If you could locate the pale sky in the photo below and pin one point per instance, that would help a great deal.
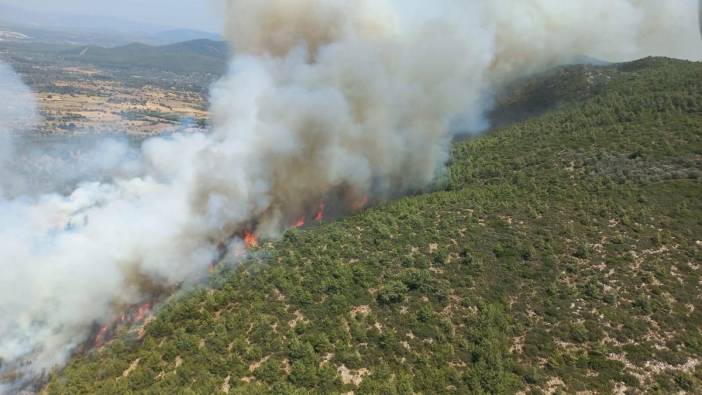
(194, 14)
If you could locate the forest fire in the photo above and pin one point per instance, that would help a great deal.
(344, 202)
(101, 336)
(319, 217)
(142, 312)
(250, 239)
(135, 315)
(139, 313)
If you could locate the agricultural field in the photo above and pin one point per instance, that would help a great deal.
(134, 89)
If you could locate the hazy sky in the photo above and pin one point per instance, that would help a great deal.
(197, 14)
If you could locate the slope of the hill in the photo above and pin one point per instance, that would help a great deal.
(562, 253)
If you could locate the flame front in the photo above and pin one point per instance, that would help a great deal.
(101, 336)
(250, 239)
(142, 312)
(319, 217)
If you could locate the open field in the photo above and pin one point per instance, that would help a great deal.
(114, 92)
(110, 106)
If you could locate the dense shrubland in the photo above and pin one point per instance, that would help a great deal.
(563, 252)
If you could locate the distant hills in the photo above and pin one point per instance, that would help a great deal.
(106, 31)
(201, 55)
(64, 21)
(178, 35)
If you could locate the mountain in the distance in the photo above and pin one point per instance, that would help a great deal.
(17, 16)
(190, 56)
(64, 28)
(179, 35)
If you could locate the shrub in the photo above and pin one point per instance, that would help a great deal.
(393, 292)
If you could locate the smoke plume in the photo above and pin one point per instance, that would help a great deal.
(17, 110)
(325, 100)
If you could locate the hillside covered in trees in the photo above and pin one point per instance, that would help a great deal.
(562, 251)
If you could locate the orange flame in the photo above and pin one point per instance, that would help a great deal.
(319, 217)
(142, 311)
(128, 316)
(300, 223)
(100, 336)
(250, 239)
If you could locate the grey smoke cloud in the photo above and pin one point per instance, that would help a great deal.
(17, 111)
(31, 164)
(324, 97)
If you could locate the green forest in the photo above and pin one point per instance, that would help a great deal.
(560, 252)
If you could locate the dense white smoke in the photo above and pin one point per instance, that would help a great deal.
(17, 111)
(325, 99)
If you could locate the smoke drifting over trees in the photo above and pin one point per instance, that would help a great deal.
(324, 98)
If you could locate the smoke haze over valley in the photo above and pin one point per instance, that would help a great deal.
(332, 102)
